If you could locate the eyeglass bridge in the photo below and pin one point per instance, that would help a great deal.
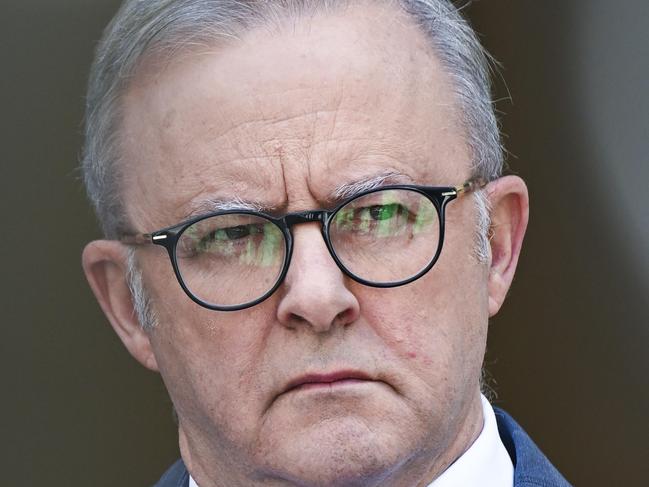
(305, 217)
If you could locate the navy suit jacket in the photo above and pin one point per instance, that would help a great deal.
(531, 467)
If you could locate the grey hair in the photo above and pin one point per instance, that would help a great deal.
(161, 28)
(482, 247)
(142, 307)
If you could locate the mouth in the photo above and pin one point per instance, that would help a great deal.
(343, 378)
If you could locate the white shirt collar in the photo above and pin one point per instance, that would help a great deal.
(486, 463)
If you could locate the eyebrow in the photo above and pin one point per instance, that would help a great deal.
(348, 190)
(212, 205)
(342, 192)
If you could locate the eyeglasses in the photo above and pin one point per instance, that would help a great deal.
(235, 259)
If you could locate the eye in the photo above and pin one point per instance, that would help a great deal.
(221, 235)
(228, 234)
(385, 212)
(235, 233)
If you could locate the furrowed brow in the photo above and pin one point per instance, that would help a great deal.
(351, 189)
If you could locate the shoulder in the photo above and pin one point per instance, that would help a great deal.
(176, 476)
(531, 467)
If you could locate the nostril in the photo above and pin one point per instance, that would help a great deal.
(344, 317)
(295, 318)
(341, 319)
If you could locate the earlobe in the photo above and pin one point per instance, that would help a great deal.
(509, 202)
(104, 263)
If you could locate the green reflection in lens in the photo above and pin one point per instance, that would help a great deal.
(264, 253)
(248, 255)
(389, 221)
(270, 245)
(364, 224)
(424, 218)
(219, 244)
(344, 219)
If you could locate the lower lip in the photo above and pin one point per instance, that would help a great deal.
(330, 385)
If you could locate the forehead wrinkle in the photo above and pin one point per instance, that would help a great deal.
(239, 188)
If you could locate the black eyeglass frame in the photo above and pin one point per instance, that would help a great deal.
(168, 237)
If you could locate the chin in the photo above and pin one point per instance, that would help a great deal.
(335, 452)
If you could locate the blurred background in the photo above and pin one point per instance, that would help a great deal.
(568, 353)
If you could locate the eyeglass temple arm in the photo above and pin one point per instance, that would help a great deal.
(470, 186)
(136, 239)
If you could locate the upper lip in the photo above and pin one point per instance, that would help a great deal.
(328, 377)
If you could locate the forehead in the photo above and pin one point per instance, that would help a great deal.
(284, 117)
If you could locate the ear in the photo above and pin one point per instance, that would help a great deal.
(509, 215)
(104, 263)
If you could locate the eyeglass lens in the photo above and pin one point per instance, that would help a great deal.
(383, 237)
(229, 260)
(386, 236)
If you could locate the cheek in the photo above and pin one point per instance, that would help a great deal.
(208, 360)
(209, 372)
(435, 334)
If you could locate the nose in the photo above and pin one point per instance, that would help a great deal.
(315, 293)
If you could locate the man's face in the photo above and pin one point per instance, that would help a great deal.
(283, 119)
